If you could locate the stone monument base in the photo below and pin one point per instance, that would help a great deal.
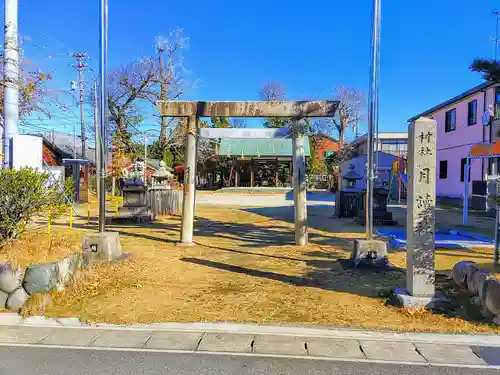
(405, 300)
(372, 253)
(134, 207)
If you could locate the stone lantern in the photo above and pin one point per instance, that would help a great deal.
(350, 178)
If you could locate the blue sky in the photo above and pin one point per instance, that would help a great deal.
(426, 46)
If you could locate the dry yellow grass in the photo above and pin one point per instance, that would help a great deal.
(239, 272)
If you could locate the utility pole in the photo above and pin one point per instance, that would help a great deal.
(11, 79)
(160, 49)
(372, 115)
(81, 65)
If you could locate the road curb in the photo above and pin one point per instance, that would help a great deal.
(13, 319)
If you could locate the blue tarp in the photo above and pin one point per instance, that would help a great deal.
(444, 238)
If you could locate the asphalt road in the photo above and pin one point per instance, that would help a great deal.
(55, 361)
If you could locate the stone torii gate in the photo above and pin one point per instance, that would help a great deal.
(193, 110)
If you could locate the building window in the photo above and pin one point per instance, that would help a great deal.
(450, 121)
(497, 103)
(462, 170)
(443, 169)
(472, 113)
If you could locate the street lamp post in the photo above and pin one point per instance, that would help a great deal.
(372, 115)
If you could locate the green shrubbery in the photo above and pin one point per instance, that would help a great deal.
(24, 195)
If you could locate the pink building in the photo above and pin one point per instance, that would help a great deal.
(459, 125)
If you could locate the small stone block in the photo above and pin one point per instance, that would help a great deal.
(404, 299)
(226, 342)
(391, 351)
(335, 348)
(23, 335)
(174, 340)
(449, 354)
(102, 246)
(17, 299)
(368, 250)
(71, 337)
(122, 339)
(285, 345)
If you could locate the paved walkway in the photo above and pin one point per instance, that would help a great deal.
(255, 340)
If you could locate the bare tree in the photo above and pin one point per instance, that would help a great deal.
(127, 85)
(272, 91)
(350, 110)
(33, 93)
(170, 82)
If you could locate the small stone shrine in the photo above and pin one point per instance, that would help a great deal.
(347, 200)
(134, 196)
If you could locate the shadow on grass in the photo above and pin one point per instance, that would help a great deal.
(319, 217)
(339, 276)
(255, 236)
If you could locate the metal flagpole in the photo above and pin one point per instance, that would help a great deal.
(11, 80)
(103, 111)
(372, 114)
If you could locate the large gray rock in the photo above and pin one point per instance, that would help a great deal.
(41, 278)
(3, 299)
(47, 277)
(460, 271)
(369, 252)
(101, 247)
(475, 279)
(10, 279)
(490, 296)
(17, 299)
(66, 269)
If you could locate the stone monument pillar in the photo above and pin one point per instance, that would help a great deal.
(420, 217)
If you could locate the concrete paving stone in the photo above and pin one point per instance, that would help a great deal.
(226, 342)
(72, 337)
(335, 348)
(40, 321)
(23, 335)
(10, 318)
(122, 339)
(391, 351)
(174, 340)
(285, 345)
(449, 354)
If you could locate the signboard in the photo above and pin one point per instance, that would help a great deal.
(27, 152)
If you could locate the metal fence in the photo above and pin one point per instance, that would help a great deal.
(164, 201)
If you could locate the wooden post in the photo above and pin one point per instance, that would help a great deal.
(189, 183)
(299, 189)
(251, 175)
